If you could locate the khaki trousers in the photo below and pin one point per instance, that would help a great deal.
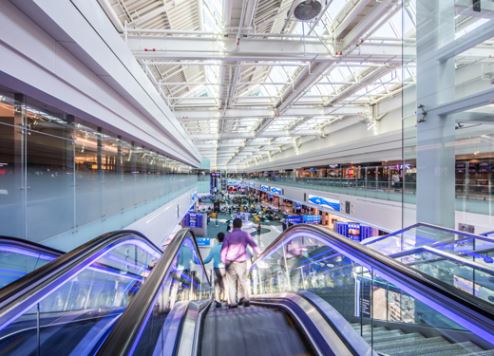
(236, 282)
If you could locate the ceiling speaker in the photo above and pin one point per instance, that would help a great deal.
(305, 10)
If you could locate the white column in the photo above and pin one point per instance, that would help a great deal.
(435, 134)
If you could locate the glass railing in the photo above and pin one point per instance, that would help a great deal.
(395, 307)
(459, 243)
(69, 304)
(19, 257)
(149, 323)
(474, 199)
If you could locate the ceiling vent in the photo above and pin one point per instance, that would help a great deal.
(305, 10)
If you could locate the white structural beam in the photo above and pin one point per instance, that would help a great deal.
(476, 100)
(248, 112)
(256, 49)
(467, 41)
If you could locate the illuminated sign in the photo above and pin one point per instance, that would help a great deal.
(332, 204)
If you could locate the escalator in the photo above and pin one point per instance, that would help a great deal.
(55, 303)
(19, 257)
(313, 293)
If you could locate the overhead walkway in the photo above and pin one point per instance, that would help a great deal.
(353, 300)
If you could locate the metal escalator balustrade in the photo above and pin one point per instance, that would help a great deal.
(146, 327)
(383, 298)
(69, 304)
(460, 259)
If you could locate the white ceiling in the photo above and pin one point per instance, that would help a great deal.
(247, 82)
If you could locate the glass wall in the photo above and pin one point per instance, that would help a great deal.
(60, 176)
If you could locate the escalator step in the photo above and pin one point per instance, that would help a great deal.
(480, 353)
(413, 348)
(407, 342)
(462, 348)
(397, 338)
(442, 347)
(391, 334)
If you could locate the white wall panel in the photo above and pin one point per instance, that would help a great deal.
(61, 71)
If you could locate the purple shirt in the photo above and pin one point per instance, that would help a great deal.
(235, 246)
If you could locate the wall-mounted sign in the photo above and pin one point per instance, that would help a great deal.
(329, 203)
(276, 190)
(294, 219)
(312, 219)
(203, 241)
(264, 188)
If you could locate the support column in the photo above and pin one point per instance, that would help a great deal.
(118, 163)
(70, 165)
(99, 152)
(20, 165)
(435, 134)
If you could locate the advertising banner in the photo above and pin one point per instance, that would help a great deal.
(264, 188)
(276, 190)
(329, 203)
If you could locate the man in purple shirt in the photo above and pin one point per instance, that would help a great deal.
(234, 257)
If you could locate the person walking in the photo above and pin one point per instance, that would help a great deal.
(234, 256)
(218, 268)
(259, 229)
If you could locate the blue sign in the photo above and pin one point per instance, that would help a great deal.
(203, 241)
(332, 204)
(193, 220)
(233, 182)
(298, 206)
(264, 188)
(312, 219)
(276, 190)
(294, 219)
(353, 230)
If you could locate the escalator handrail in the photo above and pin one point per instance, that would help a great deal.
(21, 294)
(125, 335)
(470, 310)
(29, 245)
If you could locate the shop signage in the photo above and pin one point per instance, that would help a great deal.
(332, 204)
